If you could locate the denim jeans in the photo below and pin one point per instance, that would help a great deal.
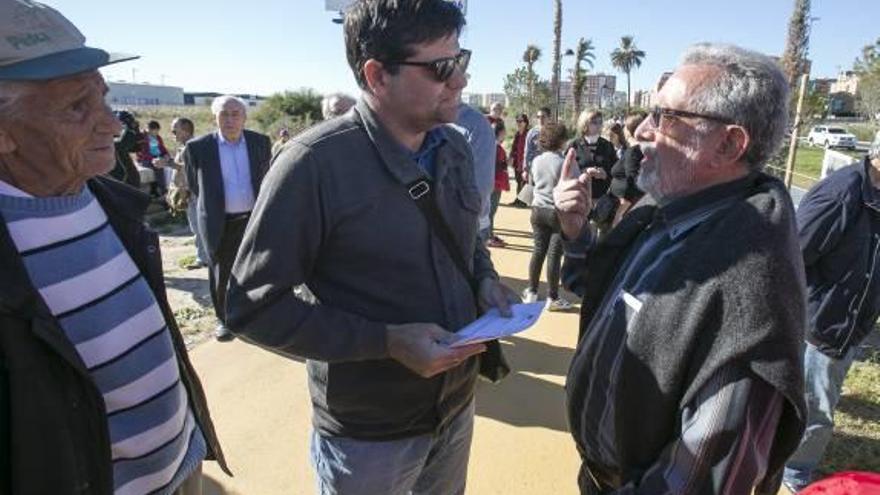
(823, 377)
(422, 465)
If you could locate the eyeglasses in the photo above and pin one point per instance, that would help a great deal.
(442, 68)
(658, 112)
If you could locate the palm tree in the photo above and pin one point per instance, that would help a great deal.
(530, 57)
(583, 55)
(625, 58)
(557, 56)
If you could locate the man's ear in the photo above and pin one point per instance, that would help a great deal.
(7, 144)
(733, 146)
(375, 76)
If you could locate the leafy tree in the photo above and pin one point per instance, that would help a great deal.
(516, 87)
(295, 110)
(583, 56)
(794, 58)
(530, 57)
(868, 68)
(625, 58)
(557, 56)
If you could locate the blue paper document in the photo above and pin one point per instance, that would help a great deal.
(492, 325)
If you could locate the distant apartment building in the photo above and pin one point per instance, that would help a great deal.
(641, 99)
(599, 90)
(121, 94)
(490, 99)
(821, 86)
(205, 99)
(847, 82)
(484, 100)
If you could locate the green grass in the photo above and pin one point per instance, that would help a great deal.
(186, 261)
(856, 442)
(808, 164)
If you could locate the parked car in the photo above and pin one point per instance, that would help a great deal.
(831, 137)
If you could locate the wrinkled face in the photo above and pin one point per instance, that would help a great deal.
(61, 130)
(416, 96)
(231, 119)
(676, 149)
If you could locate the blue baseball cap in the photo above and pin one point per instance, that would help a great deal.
(37, 43)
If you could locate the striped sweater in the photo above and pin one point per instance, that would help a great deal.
(108, 313)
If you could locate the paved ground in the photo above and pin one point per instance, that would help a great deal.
(261, 407)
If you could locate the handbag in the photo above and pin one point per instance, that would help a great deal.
(493, 364)
(526, 194)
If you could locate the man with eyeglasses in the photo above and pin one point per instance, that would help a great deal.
(393, 402)
(532, 148)
(687, 377)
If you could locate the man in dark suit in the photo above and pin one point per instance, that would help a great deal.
(224, 170)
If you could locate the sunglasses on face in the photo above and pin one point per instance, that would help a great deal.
(442, 68)
(657, 114)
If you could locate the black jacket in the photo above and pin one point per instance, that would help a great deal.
(335, 214)
(205, 180)
(624, 174)
(600, 155)
(839, 229)
(53, 428)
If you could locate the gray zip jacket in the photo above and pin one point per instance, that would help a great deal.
(334, 213)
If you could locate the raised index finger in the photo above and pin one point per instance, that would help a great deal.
(567, 165)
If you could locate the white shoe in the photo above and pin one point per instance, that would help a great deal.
(529, 296)
(558, 304)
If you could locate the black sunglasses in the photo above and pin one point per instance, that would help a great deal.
(658, 112)
(442, 68)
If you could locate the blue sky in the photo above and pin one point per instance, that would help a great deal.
(263, 46)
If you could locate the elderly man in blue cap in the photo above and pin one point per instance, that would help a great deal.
(97, 395)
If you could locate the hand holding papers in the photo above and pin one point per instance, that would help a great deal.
(492, 325)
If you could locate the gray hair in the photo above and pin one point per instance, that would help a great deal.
(219, 102)
(874, 150)
(751, 90)
(336, 104)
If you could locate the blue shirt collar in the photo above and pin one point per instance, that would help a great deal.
(426, 155)
(223, 140)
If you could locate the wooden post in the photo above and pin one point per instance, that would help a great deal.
(795, 130)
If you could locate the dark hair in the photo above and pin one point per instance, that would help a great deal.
(633, 121)
(153, 125)
(546, 111)
(552, 136)
(386, 30)
(523, 117)
(617, 130)
(186, 125)
(498, 126)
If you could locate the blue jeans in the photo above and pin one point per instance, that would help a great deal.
(422, 465)
(823, 377)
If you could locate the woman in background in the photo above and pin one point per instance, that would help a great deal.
(546, 231)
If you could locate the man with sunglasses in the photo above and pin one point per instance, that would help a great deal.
(393, 403)
(687, 377)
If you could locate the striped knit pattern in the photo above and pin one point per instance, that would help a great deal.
(109, 314)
